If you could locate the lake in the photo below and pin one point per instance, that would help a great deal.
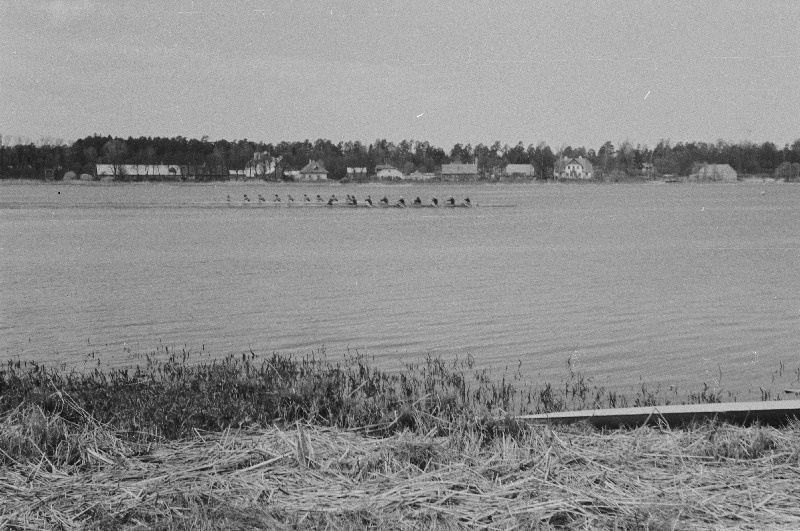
(669, 284)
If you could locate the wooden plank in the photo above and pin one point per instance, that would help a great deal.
(773, 413)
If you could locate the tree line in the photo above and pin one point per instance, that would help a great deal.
(26, 159)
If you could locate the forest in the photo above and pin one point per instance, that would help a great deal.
(49, 158)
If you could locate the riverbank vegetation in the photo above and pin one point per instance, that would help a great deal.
(305, 443)
(173, 395)
(207, 159)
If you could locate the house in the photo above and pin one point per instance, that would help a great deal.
(313, 171)
(420, 176)
(261, 166)
(715, 172)
(387, 172)
(357, 172)
(526, 170)
(574, 168)
(459, 172)
(138, 171)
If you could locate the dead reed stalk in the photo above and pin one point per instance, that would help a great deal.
(307, 477)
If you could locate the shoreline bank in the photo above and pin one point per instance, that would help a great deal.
(297, 443)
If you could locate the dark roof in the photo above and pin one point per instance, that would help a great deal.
(314, 167)
(585, 164)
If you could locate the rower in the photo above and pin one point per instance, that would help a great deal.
(451, 201)
(291, 199)
(417, 201)
(467, 201)
(401, 201)
(319, 199)
(306, 199)
(353, 201)
(261, 198)
(277, 199)
(369, 200)
(246, 198)
(384, 201)
(331, 200)
(229, 199)
(434, 201)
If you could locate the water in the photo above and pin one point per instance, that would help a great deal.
(655, 284)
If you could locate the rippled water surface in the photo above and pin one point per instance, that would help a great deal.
(661, 284)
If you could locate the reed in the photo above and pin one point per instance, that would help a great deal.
(303, 443)
(303, 476)
(171, 395)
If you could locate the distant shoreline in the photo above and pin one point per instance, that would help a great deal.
(332, 183)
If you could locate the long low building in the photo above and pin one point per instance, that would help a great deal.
(138, 170)
(520, 169)
(458, 172)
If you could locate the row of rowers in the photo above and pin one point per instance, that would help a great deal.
(352, 200)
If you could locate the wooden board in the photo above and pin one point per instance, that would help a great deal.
(773, 413)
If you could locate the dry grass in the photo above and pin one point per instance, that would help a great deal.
(305, 477)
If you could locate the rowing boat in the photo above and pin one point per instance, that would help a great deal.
(350, 205)
(773, 413)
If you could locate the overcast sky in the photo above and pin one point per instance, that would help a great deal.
(563, 72)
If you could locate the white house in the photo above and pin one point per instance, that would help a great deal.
(574, 168)
(356, 172)
(420, 176)
(388, 172)
(138, 170)
(520, 169)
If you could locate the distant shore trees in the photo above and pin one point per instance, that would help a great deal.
(214, 158)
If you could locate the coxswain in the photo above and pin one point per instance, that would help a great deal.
(401, 201)
(277, 199)
(368, 200)
(384, 201)
(451, 201)
(434, 201)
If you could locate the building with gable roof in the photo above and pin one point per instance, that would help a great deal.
(313, 171)
(459, 172)
(574, 168)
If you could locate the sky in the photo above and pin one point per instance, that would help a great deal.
(561, 72)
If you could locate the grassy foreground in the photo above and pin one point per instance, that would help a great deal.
(304, 444)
